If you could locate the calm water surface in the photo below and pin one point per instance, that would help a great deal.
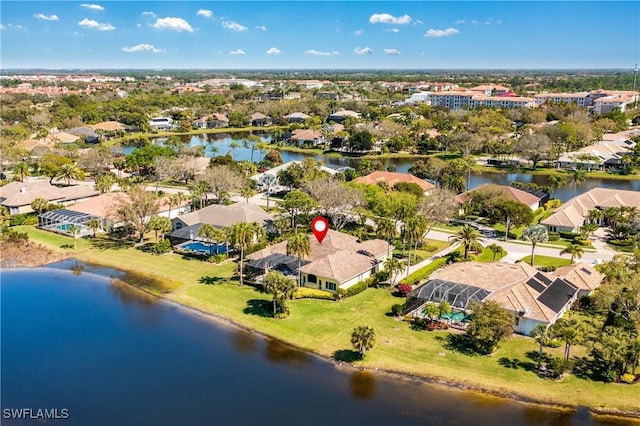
(220, 144)
(112, 355)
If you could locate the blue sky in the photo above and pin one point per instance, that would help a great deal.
(319, 34)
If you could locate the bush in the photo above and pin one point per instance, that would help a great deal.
(353, 290)
(558, 366)
(568, 235)
(24, 219)
(404, 289)
(554, 236)
(471, 217)
(161, 247)
(553, 343)
(547, 268)
(582, 242)
(313, 293)
(15, 236)
(429, 247)
(217, 258)
(538, 211)
(423, 273)
(552, 204)
(627, 378)
(397, 309)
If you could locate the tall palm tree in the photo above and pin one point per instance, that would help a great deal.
(469, 238)
(73, 230)
(414, 226)
(247, 192)
(542, 334)
(535, 234)
(393, 266)
(570, 331)
(21, 169)
(555, 182)
(298, 245)
(94, 225)
(208, 232)
(241, 235)
(595, 216)
(496, 250)
(363, 339)
(577, 176)
(67, 172)
(575, 250)
(268, 182)
(386, 229)
(234, 145)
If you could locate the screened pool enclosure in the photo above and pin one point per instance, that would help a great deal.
(62, 220)
(458, 295)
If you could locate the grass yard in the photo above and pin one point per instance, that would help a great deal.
(428, 249)
(547, 261)
(487, 256)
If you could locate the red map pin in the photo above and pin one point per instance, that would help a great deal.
(320, 226)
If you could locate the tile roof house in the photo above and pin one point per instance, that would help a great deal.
(572, 215)
(340, 261)
(109, 126)
(259, 119)
(531, 296)
(18, 196)
(392, 178)
(509, 192)
(212, 121)
(297, 117)
(340, 116)
(581, 275)
(307, 136)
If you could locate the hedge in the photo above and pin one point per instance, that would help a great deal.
(423, 273)
(353, 290)
(568, 235)
(313, 293)
(554, 236)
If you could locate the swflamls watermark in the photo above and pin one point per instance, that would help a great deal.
(35, 413)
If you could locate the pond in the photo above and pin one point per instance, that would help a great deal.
(112, 355)
(221, 144)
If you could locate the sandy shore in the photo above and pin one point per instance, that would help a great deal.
(23, 254)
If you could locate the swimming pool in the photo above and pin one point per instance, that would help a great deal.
(203, 248)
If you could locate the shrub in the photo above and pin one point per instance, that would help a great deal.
(24, 219)
(568, 235)
(429, 247)
(353, 290)
(313, 293)
(471, 217)
(627, 378)
(553, 343)
(404, 289)
(397, 309)
(161, 247)
(554, 236)
(582, 242)
(423, 273)
(558, 366)
(552, 204)
(217, 258)
(538, 211)
(547, 268)
(15, 236)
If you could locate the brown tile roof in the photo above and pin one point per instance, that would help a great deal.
(64, 137)
(100, 206)
(16, 194)
(223, 216)
(341, 266)
(306, 135)
(489, 276)
(108, 126)
(510, 192)
(392, 178)
(581, 275)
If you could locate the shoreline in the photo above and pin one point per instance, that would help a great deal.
(394, 374)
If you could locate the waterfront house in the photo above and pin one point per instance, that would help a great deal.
(341, 116)
(259, 119)
(302, 137)
(161, 123)
(18, 196)
(508, 192)
(212, 121)
(296, 117)
(392, 178)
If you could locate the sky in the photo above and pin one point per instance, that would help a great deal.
(319, 34)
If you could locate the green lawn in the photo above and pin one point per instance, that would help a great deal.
(325, 326)
(434, 246)
(547, 261)
(487, 256)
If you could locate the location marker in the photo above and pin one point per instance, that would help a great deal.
(320, 226)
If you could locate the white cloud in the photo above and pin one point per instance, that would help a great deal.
(498, 22)
(261, 28)
(92, 6)
(393, 30)
(358, 33)
(385, 18)
(418, 22)
(392, 51)
(151, 14)
(441, 33)
(362, 51)
(313, 52)
(234, 26)
(204, 12)
(1, 27)
(45, 17)
(90, 23)
(460, 21)
(175, 24)
(237, 52)
(273, 51)
(142, 48)
(17, 26)
(139, 25)
(474, 22)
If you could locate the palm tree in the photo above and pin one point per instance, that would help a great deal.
(393, 266)
(268, 182)
(431, 310)
(577, 176)
(208, 232)
(470, 239)
(73, 230)
(496, 250)
(535, 234)
(282, 289)
(94, 225)
(595, 216)
(39, 205)
(542, 334)
(570, 331)
(298, 245)
(414, 227)
(68, 172)
(233, 145)
(21, 169)
(386, 229)
(444, 308)
(241, 235)
(363, 339)
(247, 192)
(555, 182)
(575, 250)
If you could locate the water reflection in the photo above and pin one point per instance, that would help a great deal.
(77, 269)
(282, 353)
(243, 342)
(362, 385)
(130, 296)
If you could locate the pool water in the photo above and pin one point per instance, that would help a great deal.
(203, 248)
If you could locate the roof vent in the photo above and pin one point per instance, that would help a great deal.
(23, 189)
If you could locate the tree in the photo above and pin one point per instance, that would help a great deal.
(577, 176)
(74, 230)
(21, 169)
(209, 233)
(69, 172)
(104, 182)
(247, 192)
(160, 224)
(297, 202)
(174, 200)
(39, 205)
(51, 163)
(431, 310)
(222, 180)
(251, 141)
(298, 245)
(535, 234)
(496, 250)
(555, 182)
(570, 331)
(414, 228)
(575, 250)
(469, 238)
(268, 182)
(363, 339)
(335, 199)
(137, 209)
(393, 266)
(386, 229)
(535, 148)
(361, 141)
(282, 289)
(437, 207)
(163, 168)
(542, 334)
(511, 213)
(489, 325)
(94, 225)
(444, 308)
(241, 235)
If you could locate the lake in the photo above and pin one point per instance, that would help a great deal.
(112, 355)
(221, 144)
